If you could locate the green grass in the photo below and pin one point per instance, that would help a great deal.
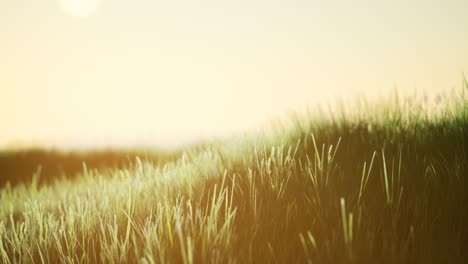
(383, 182)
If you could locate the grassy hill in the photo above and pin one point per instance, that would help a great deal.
(20, 166)
(367, 183)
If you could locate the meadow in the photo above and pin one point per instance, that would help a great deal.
(366, 182)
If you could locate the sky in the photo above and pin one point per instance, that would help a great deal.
(165, 73)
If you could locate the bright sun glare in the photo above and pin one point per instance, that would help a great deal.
(80, 8)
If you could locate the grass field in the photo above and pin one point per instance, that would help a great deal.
(372, 182)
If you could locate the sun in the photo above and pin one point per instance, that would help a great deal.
(80, 8)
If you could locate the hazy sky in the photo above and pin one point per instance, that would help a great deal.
(168, 72)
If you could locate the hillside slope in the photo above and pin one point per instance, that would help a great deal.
(383, 183)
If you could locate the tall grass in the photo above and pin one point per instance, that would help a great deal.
(383, 183)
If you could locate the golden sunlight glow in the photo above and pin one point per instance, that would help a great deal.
(80, 8)
(173, 72)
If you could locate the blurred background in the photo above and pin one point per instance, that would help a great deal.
(116, 73)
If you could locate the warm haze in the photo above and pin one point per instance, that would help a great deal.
(288, 131)
(115, 72)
